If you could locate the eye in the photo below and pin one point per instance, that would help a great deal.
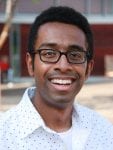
(75, 55)
(48, 53)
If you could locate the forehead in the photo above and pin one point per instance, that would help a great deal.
(61, 34)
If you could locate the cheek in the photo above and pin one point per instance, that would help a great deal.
(81, 69)
(40, 70)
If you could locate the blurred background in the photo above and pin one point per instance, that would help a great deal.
(16, 17)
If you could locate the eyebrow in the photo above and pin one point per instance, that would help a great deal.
(48, 45)
(76, 47)
(73, 46)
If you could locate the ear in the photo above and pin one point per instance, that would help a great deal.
(90, 65)
(29, 64)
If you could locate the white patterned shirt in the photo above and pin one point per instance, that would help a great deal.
(22, 128)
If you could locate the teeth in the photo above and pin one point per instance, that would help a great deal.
(60, 81)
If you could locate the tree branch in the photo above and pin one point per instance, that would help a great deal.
(7, 26)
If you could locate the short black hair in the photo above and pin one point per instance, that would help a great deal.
(61, 14)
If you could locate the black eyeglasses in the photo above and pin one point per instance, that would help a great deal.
(53, 56)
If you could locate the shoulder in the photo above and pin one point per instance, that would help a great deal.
(94, 121)
(94, 129)
(98, 130)
(91, 116)
(14, 120)
(8, 125)
(7, 117)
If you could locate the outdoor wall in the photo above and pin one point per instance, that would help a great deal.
(103, 41)
(24, 43)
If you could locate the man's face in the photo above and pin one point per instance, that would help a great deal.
(58, 83)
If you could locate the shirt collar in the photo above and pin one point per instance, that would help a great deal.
(30, 119)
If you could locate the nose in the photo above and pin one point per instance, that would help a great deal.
(63, 65)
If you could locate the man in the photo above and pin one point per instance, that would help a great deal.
(60, 58)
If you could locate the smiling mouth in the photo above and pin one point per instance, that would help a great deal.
(62, 81)
(62, 84)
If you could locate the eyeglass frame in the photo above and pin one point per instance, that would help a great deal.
(38, 51)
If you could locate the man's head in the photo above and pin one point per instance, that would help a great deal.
(59, 56)
(64, 15)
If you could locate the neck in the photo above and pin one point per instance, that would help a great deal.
(57, 119)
